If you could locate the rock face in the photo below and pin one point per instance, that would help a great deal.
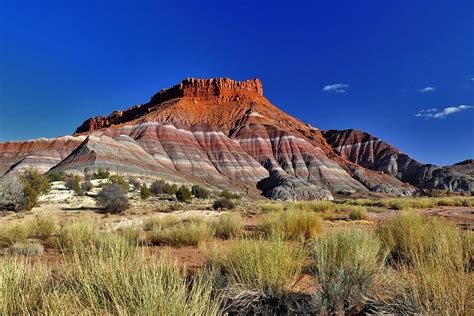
(225, 134)
(372, 153)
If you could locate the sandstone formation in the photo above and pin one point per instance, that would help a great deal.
(225, 134)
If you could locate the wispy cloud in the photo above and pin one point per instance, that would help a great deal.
(336, 88)
(434, 113)
(427, 89)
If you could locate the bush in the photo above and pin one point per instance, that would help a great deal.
(12, 194)
(119, 180)
(200, 192)
(136, 184)
(112, 198)
(144, 192)
(55, 176)
(345, 264)
(229, 195)
(86, 186)
(73, 183)
(272, 207)
(170, 188)
(183, 194)
(187, 233)
(101, 174)
(223, 203)
(292, 224)
(229, 225)
(34, 184)
(156, 187)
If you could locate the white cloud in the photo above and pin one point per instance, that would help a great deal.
(427, 89)
(336, 88)
(434, 113)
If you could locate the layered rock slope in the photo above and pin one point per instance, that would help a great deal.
(223, 134)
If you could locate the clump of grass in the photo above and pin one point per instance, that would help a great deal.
(116, 278)
(22, 286)
(186, 233)
(30, 248)
(160, 222)
(134, 235)
(270, 266)
(432, 263)
(345, 264)
(293, 224)
(358, 213)
(10, 234)
(315, 206)
(42, 228)
(271, 207)
(79, 234)
(229, 225)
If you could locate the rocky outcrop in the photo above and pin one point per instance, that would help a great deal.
(225, 134)
(372, 153)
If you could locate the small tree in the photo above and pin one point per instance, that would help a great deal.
(157, 187)
(183, 194)
(199, 192)
(116, 179)
(144, 192)
(34, 184)
(112, 198)
(170, 188)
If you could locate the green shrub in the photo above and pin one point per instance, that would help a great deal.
(223, 203)
(144, 192)
(119, 180)
(183, 234)
(229, 225)
(170, 189)
(112, 198)
(101, 174)
(292, 224)
(55, 176)
(345, 264)
(183, 194)
(200, 192)
(34, 185)
(272, 207)
(229, 195)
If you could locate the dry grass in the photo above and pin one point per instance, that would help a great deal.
(186, 233)
(229, 225)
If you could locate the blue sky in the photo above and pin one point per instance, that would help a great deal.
(333, 64)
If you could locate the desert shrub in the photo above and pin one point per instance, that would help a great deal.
(358, 214)
(22, 286)
(399, 204)
(160, 222)
(135, 183)
(229, 195)
(144, 192)
(12, 194)
(183, 194)
(55, 176)
(292, 224)
(345, 264)
(34, 184)
(112, 198)
(86, 186)
(229, 225)
(200, 192)
(101, 174)
(156, 187)
(186, 233)
(223, 203)
(74, 183)
(41, 228)
(116, 179)
(433, 262)
(270, 267)
(170, 188)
